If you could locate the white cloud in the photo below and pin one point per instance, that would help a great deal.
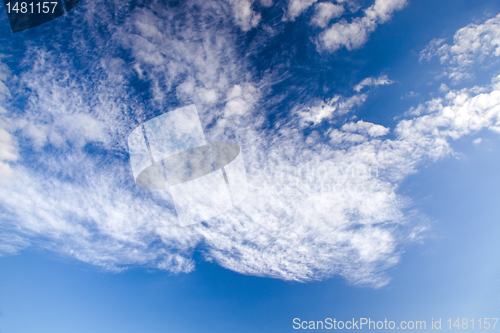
(473, 44)
(4, 90)
(351, 35)
(77, 129)
(297, 223)
(326, 11)
(462, 112)
(297, 7)
(61, 112)
(8, 153)
(11, 243)
(315, 208)
(85, 206)
(381, 164)
(410, 94)
(443, 88)
(336, 106)
(370, 81)
(372, 130)
(382, 10)
(354, 34)
(244, 15)
(201, 64)
(8, 145)
(339, 105)
(240, 99)
(93, 219)
(435, 47)
(310, 215)
(208, 96)
(352, 133)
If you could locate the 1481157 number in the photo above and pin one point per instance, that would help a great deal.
(484, 324)
(25, 8)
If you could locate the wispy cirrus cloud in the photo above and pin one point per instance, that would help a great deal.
(8, 144)
(382, 80)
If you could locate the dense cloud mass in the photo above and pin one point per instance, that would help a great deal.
(318, 205)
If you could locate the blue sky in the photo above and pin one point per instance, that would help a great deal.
(369, 131)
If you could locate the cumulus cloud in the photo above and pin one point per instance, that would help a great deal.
(244, 15)
(297, 7)
(356, 132)
(459, 113)
(241, 99)
(372, 130)
(354, 34)
(472, 45)
(326, 11)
